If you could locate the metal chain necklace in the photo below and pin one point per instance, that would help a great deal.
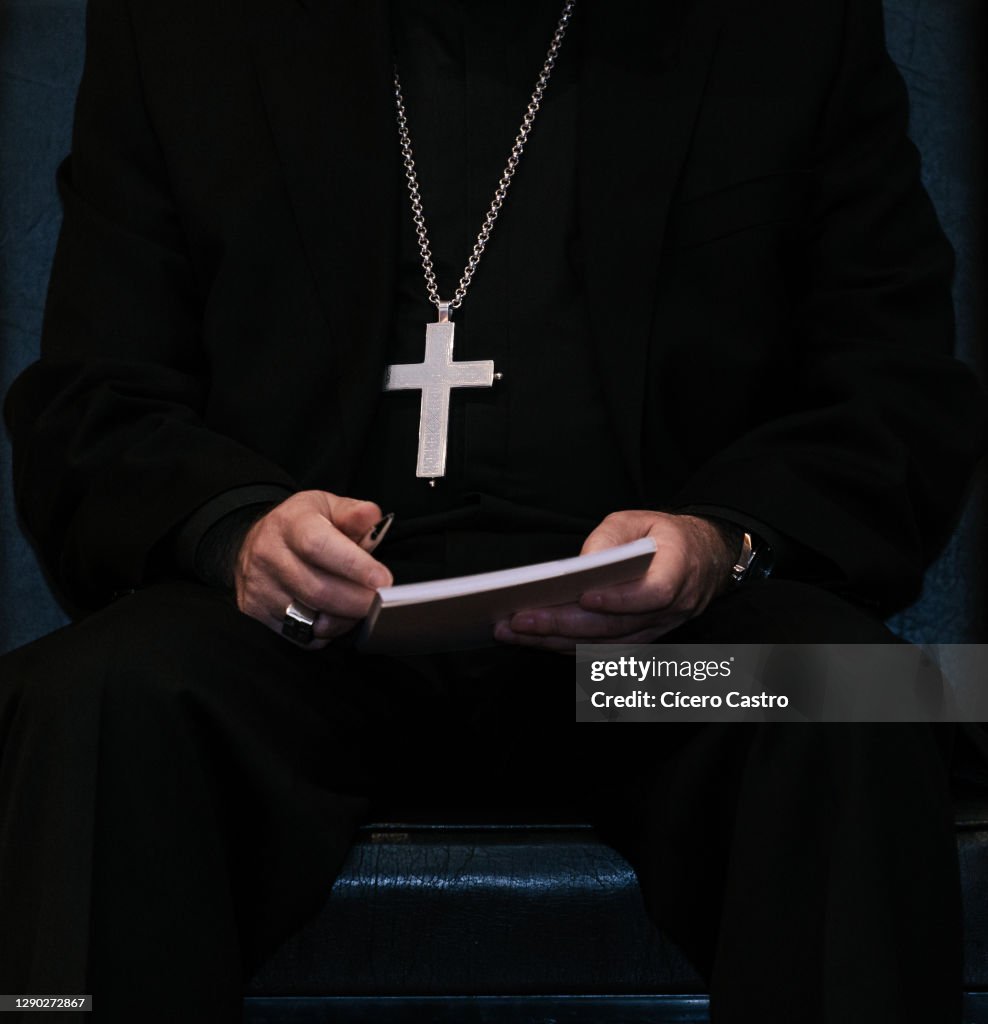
(438, 374)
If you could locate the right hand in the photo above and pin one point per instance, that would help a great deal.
(306, 549)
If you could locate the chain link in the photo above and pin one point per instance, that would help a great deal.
(500, 193)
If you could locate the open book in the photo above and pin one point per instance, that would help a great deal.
(460, 613)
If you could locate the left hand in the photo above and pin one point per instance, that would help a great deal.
(691, 566)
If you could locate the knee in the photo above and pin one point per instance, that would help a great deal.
(786, 611)
(149, 650)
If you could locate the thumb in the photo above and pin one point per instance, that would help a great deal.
(619, 528)
(352, 516)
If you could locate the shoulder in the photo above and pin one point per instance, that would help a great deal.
(172, 32)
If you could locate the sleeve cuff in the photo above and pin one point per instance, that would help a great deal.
(207, 516)
(789, 558)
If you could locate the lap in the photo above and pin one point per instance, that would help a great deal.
(190, 632)
(283, 730)
(494, 721)
(371, 724)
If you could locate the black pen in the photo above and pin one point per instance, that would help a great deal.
(375, 534)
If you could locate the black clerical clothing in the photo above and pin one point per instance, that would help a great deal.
(717, 285)
(767, 288)
(528, 469)
(180, 785)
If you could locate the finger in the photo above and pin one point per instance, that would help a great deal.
(325, 628)
(317, 542)
(615, 529)
(662, 587)
(334, 595)
(328, 627)
(275, 621)
(659, 589)
(560, 644)
(352, 516)
(570, 620)
(645, 636)
(566, 644)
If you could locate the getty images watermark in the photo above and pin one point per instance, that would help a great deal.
(781, 683)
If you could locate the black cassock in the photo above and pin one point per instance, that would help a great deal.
(717, 285)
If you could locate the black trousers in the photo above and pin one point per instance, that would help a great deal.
(179, 787)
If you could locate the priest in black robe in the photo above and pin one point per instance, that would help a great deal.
(719, 301)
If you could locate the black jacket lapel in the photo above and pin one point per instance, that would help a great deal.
(341, 168)
(644, 70)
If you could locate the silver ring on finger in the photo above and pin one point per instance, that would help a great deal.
(298, 622)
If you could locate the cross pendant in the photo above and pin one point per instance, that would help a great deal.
(436, 376)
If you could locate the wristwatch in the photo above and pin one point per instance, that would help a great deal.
(754, 559)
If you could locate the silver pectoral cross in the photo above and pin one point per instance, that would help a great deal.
(436, 376)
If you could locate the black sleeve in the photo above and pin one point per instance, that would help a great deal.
(112, 446)
(867, 464)
(206, 545)
(212, 557)
(782, 556)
